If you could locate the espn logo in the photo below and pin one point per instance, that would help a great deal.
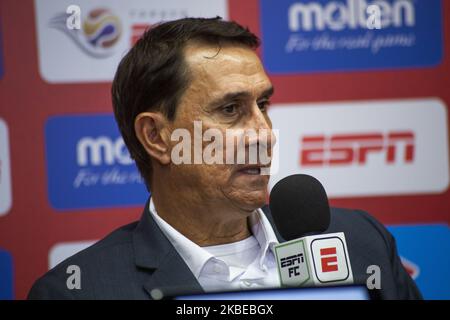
(365, 148)
(319, 260)
(330, 260)
(348, 149)
(293, 262)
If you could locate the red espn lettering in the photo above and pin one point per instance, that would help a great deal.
(346, 149)
(329, 263)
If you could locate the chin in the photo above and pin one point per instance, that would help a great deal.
(252, 200)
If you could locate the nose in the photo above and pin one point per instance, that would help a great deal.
(261, 124)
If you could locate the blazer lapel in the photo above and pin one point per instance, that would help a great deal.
(165, 269)
(173, 277)
(154, 252)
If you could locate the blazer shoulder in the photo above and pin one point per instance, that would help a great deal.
(360, 224)
(109, 245)
(112, 252)
(370, 243)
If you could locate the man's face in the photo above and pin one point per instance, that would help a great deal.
(229, 90)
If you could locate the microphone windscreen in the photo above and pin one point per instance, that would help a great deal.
(299, 206)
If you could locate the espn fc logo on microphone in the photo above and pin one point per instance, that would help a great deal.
(314, 261)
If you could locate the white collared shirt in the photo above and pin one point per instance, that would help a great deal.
(245, 264)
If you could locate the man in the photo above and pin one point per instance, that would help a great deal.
(203, 229)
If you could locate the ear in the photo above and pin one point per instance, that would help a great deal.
(151, 129)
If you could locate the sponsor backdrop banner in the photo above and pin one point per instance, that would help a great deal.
(86, 155)
(424, 251)
(108, 30)
(356, 139)
(1, 53)
(361, 102)
(5, 171)
(324, 35)
(6, 275)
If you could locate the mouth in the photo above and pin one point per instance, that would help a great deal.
(251, 170)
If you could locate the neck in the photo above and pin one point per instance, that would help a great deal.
(203, 221)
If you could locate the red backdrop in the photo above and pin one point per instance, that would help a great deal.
(26, 101)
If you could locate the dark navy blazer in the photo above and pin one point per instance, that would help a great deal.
(137, 258)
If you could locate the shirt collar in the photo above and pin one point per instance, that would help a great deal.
(264, 234)
(196, 257)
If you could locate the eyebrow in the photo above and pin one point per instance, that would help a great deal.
(240, 95)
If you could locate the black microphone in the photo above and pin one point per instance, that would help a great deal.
(300, 209)
(299, 205)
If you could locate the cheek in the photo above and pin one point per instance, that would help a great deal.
(247, 188)
(247, 196)
(209, 179)
(216, 175)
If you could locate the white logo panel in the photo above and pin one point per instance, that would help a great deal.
(5, 170)
(107, 30)
(62, 251)
(330, 261)
(366, 148)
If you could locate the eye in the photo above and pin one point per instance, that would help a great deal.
(230, 109)
(263, 105)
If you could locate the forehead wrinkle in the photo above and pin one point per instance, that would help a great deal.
(214, 74)
(240, 58)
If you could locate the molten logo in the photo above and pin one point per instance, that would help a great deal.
(347, 149)
(303, 36)
(337, 15)
(89, 164)
(102, 150)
